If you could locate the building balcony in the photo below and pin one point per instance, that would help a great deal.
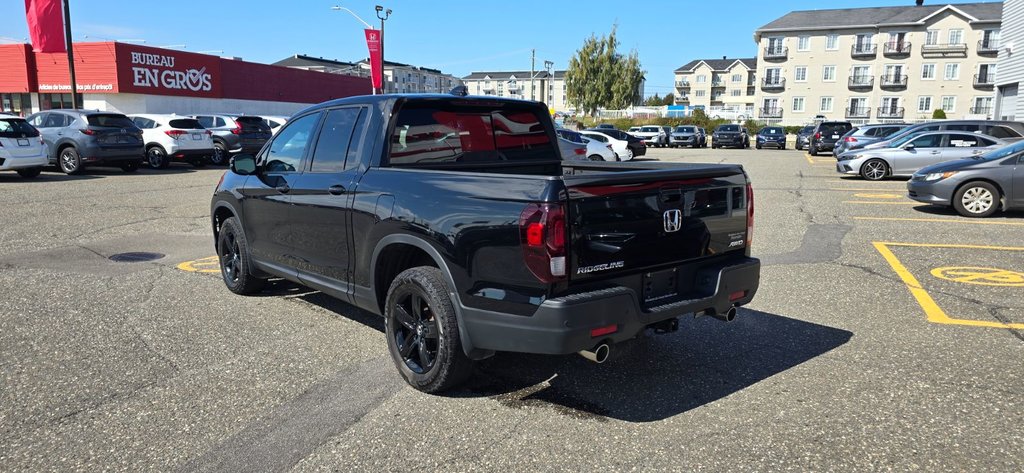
(984, 81)
(861, 82)
(514, 87)
(776, 83)
(683, 84)
(895, 112)
(717, 83)
(987, 111)
(774, 112)
(863, 51)
(944, 50)
(988, 47)
(893, 82)
(858, 112)
(779, 53)
(896, 49)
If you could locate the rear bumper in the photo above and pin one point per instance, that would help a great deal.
(13, 164)
(562, 325)
(191, 154)
(98, 154)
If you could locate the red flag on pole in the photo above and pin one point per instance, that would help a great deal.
(373, 44)
(45, 25)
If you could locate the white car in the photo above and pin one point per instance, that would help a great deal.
(174, 138)
(652, 135)
(275, 122)
(21, 147)
(597, 149)
(620, 147)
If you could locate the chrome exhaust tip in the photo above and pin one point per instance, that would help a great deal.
(727, 316)
(598, 354)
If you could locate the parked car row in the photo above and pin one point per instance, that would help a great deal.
(71, 140)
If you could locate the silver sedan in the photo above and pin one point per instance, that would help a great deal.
(907, 155)
(975, 187)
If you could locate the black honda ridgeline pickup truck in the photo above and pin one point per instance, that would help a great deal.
(455, 218)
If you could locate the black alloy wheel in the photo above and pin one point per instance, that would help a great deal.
(69, 161)
(416, 333)
(233, 254)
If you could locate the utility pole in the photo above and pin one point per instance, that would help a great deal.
(533, 66)
(386, 14)
(75, 102)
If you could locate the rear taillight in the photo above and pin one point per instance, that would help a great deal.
(542, 233)
(237, 130)
(850, 139)
(817, 135)
(750, 215)
(208, 133)
(580, 151)
(175, 133)
(86, 131)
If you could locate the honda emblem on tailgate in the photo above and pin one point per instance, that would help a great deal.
(673, 220)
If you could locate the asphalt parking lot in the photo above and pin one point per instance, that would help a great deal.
(886, 336)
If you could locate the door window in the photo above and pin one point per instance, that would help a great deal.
(219, 122)
(55, 120)
(967, 141)
(38, 120)
(289, 147)
(1002, 132)
(334, 145)
(206, 121)
(927, 141)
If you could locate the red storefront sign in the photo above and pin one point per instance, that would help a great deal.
(373, 45)
(145, 70)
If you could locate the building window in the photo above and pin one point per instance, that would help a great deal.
(952, 71)
(931, 37)
(924, 104)
(737, 77)
(832, 42)
(700, 93)
(16, 104)
(956, 36)
(928, 71)
(826, 104)
(828, 73)
(798, 104)
(948, 103)
(800, 74)
(54, 101)
(701, 78)
(735, 92)
(803, 43)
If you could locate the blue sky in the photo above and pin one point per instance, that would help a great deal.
(457, 37)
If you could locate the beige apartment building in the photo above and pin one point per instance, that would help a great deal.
(717, 83)
(884, 64)
(547, 88)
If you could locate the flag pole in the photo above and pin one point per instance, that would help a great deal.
(75, 102)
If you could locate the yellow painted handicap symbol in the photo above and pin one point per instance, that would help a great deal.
(210, 264)
(980, 276)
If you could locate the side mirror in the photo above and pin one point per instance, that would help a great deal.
(909, 146)
(243, 164)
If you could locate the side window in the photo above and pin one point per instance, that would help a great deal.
(289, 147)
(219, 122)
(1000, 131)
(54, 120)
(206, 121)
(964, 141)
(965, 127)
(928, 141)
(337, 146)
(38, 120)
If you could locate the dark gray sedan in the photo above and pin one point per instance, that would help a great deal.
(977, 186)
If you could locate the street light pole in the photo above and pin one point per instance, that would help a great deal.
(367, 25)
(387, 14)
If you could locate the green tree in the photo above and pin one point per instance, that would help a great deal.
(939, 113)
(599, 77)
(653, 101)
(669, 99)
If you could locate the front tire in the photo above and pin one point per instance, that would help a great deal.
(874, 170)
(423, 333)
(30, 173)
(976, 199)
(131, 167)
(811, 150)
(69, 161)
(236, 266)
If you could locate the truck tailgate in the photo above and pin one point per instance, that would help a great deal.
(629, 221)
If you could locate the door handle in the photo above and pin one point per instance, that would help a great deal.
(936, 152)
(283, 188)
(336, 189)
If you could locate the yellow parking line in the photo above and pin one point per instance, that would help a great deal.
(941, 220)
(861, 189)
(880, 203)
(808, 157)
(932, 311)
(945, 245)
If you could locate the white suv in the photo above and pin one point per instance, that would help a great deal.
(21, 147)
(174, 138)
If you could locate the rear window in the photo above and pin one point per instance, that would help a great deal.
(1000, 131)
(110, 120)
(729, 128)
(807, 129)
(16, 128)
(835, 128)
(570, 135)
(252, 123)
(185, 124)
(450, 133)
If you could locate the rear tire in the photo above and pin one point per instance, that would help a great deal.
(131, 166)
(976, 199)
(236, 266)
(157, 158)
(220, 154)
(30, 173)
(811, 150)
(69, 161)
(423, 333)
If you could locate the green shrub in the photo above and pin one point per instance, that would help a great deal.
(939, 114)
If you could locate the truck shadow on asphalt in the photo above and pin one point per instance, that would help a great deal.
(658, 376)
(650, 378)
